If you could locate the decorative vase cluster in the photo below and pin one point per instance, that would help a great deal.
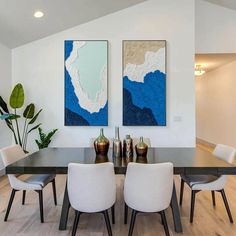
(101, 145)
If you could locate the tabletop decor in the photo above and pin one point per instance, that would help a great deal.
(86, 83)
(117, 147)
(101, 145)
(144, 82)
(20, 125)
(141, 149)
(128, 147)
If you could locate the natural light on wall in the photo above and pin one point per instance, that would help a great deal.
(198, 70)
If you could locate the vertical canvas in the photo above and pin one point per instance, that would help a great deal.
(144, 82)
(86, 83)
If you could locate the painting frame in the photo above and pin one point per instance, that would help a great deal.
(164, 123)
(105, 114)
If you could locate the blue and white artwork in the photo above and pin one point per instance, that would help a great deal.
(144, 82)
(86, 83)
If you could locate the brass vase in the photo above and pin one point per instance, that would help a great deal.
(141, 149)
(117, 147)
(101, 145)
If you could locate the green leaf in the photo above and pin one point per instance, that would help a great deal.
(8, 122)
(35, 127)
(35, 117)
(14, 117)
(3, 105)
(45, 139)
(41, 134)
(9, 117)
(50, 134)
(38, 144)
(29, 111)
(17, 97)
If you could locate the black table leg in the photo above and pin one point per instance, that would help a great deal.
(65, 210)
(175, 211)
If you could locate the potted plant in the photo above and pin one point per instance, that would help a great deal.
(44, 139)
(14, 120)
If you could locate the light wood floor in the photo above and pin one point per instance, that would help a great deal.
(25, 220)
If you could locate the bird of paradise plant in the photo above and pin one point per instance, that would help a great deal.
(16, 102)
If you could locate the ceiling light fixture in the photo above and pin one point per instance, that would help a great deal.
(38, 14)
(199, 71)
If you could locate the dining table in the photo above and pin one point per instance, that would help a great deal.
(186, 160)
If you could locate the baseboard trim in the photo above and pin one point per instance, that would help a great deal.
(204, 142)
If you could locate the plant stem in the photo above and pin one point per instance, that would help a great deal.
(25, 145)
(23, 135)
(26, 137)
(11, 127)
(18, 131)
(13, 131)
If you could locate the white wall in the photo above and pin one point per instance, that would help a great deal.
(214, 28)
(39, 66)
(215, 105)
(215, 96)
(5, 90)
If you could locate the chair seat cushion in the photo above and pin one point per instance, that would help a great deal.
(192, 180)
(41, 180)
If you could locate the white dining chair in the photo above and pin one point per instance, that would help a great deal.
(212, 183)
(91, 189)
(148, 188)
(34, 182)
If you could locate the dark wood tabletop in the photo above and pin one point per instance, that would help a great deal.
(185, 161)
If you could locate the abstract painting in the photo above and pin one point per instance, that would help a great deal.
(86, 83)
(144, 82)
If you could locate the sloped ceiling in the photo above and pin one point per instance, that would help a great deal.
(18, 26)
(224, 3)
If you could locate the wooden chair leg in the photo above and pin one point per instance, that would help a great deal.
(226, 205)
(192, 205)
(106, 216)
(54, 191)
(13, 192)
(23, 197)
(213, 198)
(181, 192)
(76, 222)
(164, 222)
(40, 192)
(113, 214)
(132, 222)
(126, 214)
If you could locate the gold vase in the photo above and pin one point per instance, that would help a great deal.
(101, 145)
(141, 149)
